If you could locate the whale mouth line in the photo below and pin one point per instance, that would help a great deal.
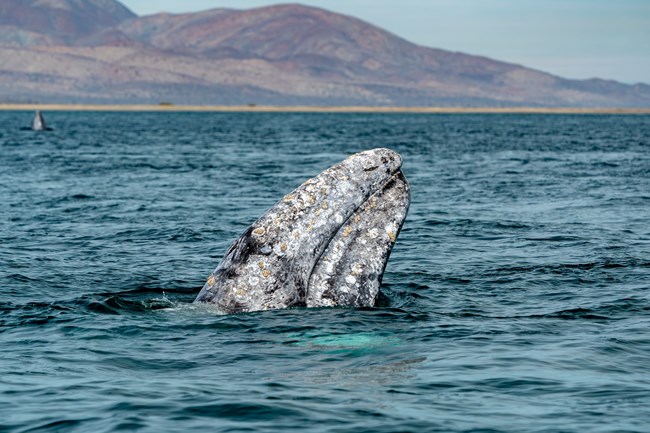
(326, 244)
(380, 187)
(364, 212)
(267, 249)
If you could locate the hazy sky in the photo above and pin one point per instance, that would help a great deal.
(570, 38)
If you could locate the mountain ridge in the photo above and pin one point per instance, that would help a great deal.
(283, 54)
(58, 21)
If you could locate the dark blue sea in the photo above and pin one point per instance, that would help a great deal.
(517, 298)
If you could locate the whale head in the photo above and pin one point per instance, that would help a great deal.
(324, 244)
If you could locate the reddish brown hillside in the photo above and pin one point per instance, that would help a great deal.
(60, 21)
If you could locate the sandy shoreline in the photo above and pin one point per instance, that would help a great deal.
(319, 109)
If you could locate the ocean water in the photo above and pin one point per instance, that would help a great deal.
(516, 299)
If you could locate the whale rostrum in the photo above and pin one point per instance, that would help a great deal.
(324, 244)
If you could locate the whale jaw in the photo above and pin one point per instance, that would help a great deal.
(351, 269)
(324, 244)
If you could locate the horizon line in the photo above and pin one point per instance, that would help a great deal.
(253, 108)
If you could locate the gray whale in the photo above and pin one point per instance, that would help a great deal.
(324, 244)
(38, 123)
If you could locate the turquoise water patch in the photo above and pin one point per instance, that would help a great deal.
(342, 341)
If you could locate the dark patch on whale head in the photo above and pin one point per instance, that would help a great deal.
(329, 294)
(245, 246)
(241, 250)
(393, 180)
(302, 294)
(234, 306)
(389, 184)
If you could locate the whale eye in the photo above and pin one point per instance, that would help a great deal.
(266, 250)
(371, 168)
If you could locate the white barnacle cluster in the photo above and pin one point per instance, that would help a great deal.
(372, 233)
(336, 252)
(391, 231)
(281, 248)
(307, 206)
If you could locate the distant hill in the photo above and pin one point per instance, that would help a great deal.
(99, 51)
(35, 22)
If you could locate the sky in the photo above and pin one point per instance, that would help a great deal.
(570, 38)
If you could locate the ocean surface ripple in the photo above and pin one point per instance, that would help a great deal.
(516, 299)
